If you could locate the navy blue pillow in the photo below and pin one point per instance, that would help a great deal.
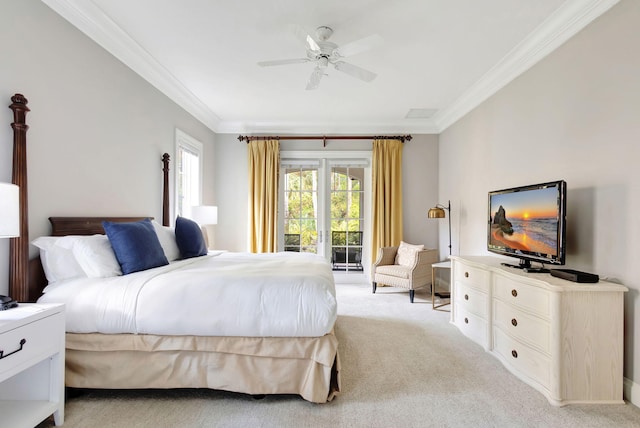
(135, 245)
(189, 238)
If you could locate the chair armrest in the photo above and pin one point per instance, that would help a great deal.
(422, 266)
(386, 256)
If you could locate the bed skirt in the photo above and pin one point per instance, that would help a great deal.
(307, 366)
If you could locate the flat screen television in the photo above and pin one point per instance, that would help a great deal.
(529, 223)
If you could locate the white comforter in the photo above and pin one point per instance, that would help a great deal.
(225, 294)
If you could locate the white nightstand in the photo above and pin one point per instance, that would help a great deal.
(32, 364)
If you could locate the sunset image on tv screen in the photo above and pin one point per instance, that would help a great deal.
(525, 221)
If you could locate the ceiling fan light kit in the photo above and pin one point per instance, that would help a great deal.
(323, 53)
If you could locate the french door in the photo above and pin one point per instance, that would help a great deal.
(324, 206)
(346, 208)
(301, 211)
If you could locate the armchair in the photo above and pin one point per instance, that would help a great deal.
(411, 271)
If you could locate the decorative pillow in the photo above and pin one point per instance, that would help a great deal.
(167, 237)
(135, 245)
(406, 254)
(96, 257)
(189, 238)
(57, 257)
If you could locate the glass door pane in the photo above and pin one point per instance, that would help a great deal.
(301, 209)
(346, 206)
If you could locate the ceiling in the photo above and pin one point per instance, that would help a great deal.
(440, 57)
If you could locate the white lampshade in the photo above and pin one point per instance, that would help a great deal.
(9, 210)
(204, 214)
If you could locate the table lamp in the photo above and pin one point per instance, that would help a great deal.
(205, 215)
(9, 211)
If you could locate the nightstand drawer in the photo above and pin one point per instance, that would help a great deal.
(30, 343)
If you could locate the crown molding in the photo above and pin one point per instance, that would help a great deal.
(94, 23)
(324, 128)
(564, 23)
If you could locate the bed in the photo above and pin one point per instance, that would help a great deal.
(202, 322)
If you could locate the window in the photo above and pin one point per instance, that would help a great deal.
(188, 173)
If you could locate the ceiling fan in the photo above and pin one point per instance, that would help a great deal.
(323, 52)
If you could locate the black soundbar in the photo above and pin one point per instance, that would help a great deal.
(575, 275)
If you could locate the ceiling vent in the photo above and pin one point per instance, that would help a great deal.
(421, 113)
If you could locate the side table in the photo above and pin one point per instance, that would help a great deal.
(31, 364)
(440, 294)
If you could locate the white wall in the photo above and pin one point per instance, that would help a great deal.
(419, 192)
(420, 184)
(573, 116)
(97, 130)
(231, 189)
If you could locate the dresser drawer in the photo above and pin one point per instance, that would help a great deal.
(472, 300)
(519, 325)
(472, 326)
(471, 276)
(524, 296)
(523, 359)
(31, 342)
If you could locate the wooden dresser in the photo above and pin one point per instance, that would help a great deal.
(563, 338)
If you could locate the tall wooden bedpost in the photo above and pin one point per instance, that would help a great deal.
(19, 247)
(165, 189)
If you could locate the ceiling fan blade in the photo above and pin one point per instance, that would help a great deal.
(283, 62)
(359, 46)
(355, 71)
(314, 79)
(305, 37)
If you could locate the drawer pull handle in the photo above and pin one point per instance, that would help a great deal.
(514, 353)
(466, 297)
(514, 322)
(514, 293)
(466, 320)
(466, 274)
(3, 355)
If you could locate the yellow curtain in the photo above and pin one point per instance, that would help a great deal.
(264, 171)
(386, 201)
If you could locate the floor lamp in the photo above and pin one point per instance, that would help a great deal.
(438, 212)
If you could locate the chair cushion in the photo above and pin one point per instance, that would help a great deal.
(406, 254)
(394, 270)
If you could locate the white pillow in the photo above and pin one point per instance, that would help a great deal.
(406, 254)
(57, 258)
(96, 257)
(167, 237)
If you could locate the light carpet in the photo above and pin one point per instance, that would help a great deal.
(403, 365)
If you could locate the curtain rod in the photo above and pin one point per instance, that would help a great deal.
(324, 138)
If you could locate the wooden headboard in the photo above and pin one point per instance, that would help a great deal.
(63, 226)
(26, 277)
